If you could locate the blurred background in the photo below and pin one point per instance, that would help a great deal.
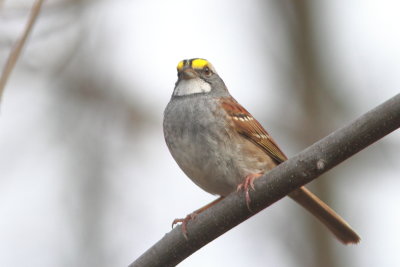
(86, 178)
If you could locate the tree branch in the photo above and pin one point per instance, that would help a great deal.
(295, 172)
(16, 51)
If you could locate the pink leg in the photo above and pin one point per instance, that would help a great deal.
(184, 222)
(247, 184)
(193, 215)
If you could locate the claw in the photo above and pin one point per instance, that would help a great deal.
(184, 222)
(246, 185)
(193, 216)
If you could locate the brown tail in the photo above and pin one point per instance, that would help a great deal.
(339, 227)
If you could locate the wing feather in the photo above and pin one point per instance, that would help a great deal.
(250, 128)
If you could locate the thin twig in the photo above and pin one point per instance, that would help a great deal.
(280, 181)
(16, 50)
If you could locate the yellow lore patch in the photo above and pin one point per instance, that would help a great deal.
(199, 63)
(180, 65)
(196, 63)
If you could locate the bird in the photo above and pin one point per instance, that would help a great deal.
(222, 148)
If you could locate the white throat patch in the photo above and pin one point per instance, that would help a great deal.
(192, 86)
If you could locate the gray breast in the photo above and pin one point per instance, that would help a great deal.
(197, 137)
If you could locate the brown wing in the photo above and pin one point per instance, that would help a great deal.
(250, 128)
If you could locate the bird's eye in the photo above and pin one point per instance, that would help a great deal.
(207, 71)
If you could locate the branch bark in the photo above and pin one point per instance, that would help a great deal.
(295, 172)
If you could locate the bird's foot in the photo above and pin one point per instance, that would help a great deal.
(184, 222)
(247, 185)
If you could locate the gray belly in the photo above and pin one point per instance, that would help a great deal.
(212, 157)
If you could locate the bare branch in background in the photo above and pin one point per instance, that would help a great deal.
(16, 50)
(276, 184)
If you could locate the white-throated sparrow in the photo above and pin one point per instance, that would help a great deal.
(222, 148)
